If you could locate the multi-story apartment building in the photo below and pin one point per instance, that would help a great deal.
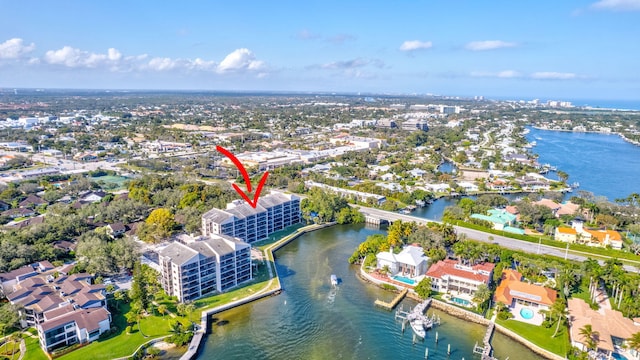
(273, 212)
(209, 264)
(68, 325)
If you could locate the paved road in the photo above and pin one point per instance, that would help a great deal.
(485, 237)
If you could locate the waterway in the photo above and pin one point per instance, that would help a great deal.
(310, 320)
(603, 164)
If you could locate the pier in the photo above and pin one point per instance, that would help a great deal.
(486, 349)
(390, 305)
(417, 319)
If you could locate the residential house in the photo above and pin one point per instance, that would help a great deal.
(32, 201)
(592, 237)
(501, 220)
(116, 229)
(512, 292)
(410, 262)
(613, 328)
(18, 212)
(212, 263)
(93, 197)
(452, 276)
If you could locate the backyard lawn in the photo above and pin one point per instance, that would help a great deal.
(540, 335)
(122, 344)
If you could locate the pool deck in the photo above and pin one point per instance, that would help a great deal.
(537, 317)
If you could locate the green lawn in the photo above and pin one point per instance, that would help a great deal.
(34, 351)
(123, 344)
(540, 335)
(10, 347)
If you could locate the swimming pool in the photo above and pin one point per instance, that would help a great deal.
(463, 302)
(405, 280)
(618, 356)
(526, 313)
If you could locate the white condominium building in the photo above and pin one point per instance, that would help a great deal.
(274, 212)
(215, 263)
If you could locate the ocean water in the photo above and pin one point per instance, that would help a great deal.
(603, 164)
(609, 104)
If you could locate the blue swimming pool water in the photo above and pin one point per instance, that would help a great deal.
(526, 313)
(459, 301)
(405, 280)
(618, 356)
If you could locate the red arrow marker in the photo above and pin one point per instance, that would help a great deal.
(246, 178)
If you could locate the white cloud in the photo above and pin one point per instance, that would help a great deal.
(551, 75)
(505, 74)
(489, 45)
(76, 58)
(162, 64)
(239, 60)
(14, 48)
(617, 5)
(412, 45)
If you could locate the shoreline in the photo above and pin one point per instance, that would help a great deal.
(465, 315)
(624, 138)
(200, 334)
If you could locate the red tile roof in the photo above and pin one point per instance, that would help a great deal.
(453, 268)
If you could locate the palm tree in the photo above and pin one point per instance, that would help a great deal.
(590, 336)
(482, 295)
(558, 313)
(634, 341)
(162, 309)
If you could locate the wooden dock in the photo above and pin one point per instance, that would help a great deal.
(486, 349)
(390, 305)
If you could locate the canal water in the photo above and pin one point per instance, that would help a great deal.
(603, 164)
(311, 320)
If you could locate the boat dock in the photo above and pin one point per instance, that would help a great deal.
(486, 349)
(391, 305)
(417, 319)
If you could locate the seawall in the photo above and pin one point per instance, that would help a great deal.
(468, 316)
(200, 334)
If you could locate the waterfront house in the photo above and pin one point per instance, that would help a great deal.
(613, 328)
(410, 262)
(517, 294)
(451, 276)
(208, 264)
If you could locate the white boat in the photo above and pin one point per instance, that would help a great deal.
(417, 325)
(334, 280)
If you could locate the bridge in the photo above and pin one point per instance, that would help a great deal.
(379, 217)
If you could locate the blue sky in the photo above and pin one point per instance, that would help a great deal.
(514, 49)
